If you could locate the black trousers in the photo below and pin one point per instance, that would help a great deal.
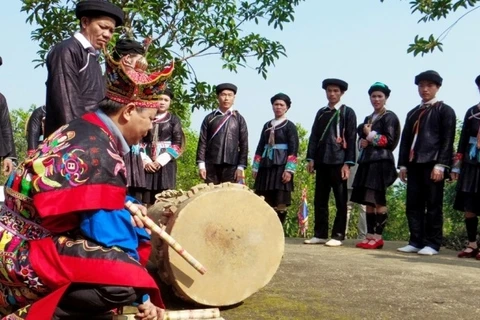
(94, 302)
(424, 207)
(219, 173)
(329, 177)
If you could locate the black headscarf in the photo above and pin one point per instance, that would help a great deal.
(91, 8)
(127, 46)
(429, 75)
(283, 97)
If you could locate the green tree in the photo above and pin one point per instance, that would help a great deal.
(181, 30)
(187, 175)
(19, 118)
(432, 10)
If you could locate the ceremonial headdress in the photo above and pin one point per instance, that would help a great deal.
(123, 89)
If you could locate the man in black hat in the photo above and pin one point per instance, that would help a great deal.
(75, 83)
(7, 146)
(425, 156)
(222, 151)
(331, 153)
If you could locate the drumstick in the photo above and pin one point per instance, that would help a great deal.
(134, 210)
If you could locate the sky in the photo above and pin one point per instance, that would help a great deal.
(360, 42)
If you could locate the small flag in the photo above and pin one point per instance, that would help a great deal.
(303, 214)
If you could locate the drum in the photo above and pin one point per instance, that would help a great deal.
(233, 232)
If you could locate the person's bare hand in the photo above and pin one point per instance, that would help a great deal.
(403, 175)
(310, 167)
(148, 311)
(203, 174)
(7, 166)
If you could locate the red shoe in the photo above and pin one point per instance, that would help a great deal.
(374, 244)
(472, 254)
(362, 243)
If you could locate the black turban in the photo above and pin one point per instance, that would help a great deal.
(226, 86)
(128, 46)
(167, 92)
(281, 96)
(378, 86)
(89, 8)
(429, 75)
(477, 79)
(335, 82)
(1, 61)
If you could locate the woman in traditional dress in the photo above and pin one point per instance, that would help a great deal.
(162, 147)
(276, 157)
(466, 169)
(379, 135)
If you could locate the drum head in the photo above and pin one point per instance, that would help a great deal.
(234, 233)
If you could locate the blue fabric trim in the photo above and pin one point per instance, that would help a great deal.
(111, 228)
(268, 151)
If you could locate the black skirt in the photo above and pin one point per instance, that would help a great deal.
(371, 182)
(135, 171)
(163, 179)
(270, 179)
(467, 198)
(269, 185)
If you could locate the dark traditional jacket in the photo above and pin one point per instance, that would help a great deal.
(223, 139)
(382, 144)
(169, 135)
(35, 128)
(434, 141)
(75, 83)
(324, 145)
(467, 150)
(7, 146)
(282, 152)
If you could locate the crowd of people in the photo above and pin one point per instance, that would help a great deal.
(67, 240)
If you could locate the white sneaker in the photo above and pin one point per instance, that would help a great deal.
(315, 240)
(333, 243)
(427, 251)
(408, 249)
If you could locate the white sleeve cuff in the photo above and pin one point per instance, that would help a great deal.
(439, 168)
(163, 159)
(402, 168)
(240, 168)
(371, 135)
(201, 166)
(456, 170)
(146, 159)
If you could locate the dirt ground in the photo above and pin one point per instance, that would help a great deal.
(318, 282)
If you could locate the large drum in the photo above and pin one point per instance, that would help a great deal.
(234, 233)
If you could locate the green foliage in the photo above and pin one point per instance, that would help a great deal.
(19, 118)
(187, 175)
(181, 30)
(433, 10)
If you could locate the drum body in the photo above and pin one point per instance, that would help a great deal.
(234, 233)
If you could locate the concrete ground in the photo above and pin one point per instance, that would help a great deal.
(318, 282)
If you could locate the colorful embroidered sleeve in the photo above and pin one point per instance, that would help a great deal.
(379, 140)
(291, 164)
(174, 151)
(256, 162)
